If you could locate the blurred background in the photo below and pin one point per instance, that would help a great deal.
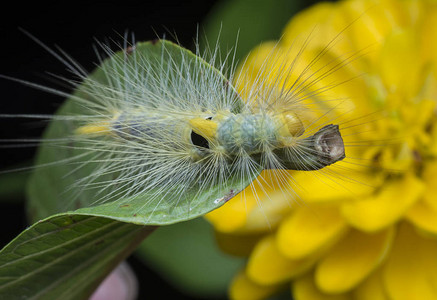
(74, 27)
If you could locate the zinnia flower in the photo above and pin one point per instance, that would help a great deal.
(365, 228)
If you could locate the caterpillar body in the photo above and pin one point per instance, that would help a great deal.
(159, 125)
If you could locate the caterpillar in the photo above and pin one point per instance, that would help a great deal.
(157, 122)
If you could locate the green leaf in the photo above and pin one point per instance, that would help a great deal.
(252, 21)
(50, 188)
(186, 254)
(65, 256)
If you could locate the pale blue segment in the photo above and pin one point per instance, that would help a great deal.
(247, 132)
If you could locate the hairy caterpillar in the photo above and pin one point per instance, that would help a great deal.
(169, 125)
(173, 126)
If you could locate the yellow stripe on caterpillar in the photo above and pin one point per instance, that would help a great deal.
(204, 127)
(100, 128)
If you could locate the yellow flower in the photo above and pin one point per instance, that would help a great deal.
(368, 230)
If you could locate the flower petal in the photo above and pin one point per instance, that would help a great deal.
(372, 288)
(423, 216)
(369, 28)
(302, 24)
(267, 265)
(411, 270)
(401, 49)
(427, 30)
(233, 215)
(269, 212)
(305, 289)
(310, 229)
(243, 288)
(429, 176)
(352, 260)
(386, 207)
(317, 187)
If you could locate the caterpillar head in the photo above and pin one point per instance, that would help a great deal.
(202, 136)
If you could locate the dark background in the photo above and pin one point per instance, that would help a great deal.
(74, 28)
